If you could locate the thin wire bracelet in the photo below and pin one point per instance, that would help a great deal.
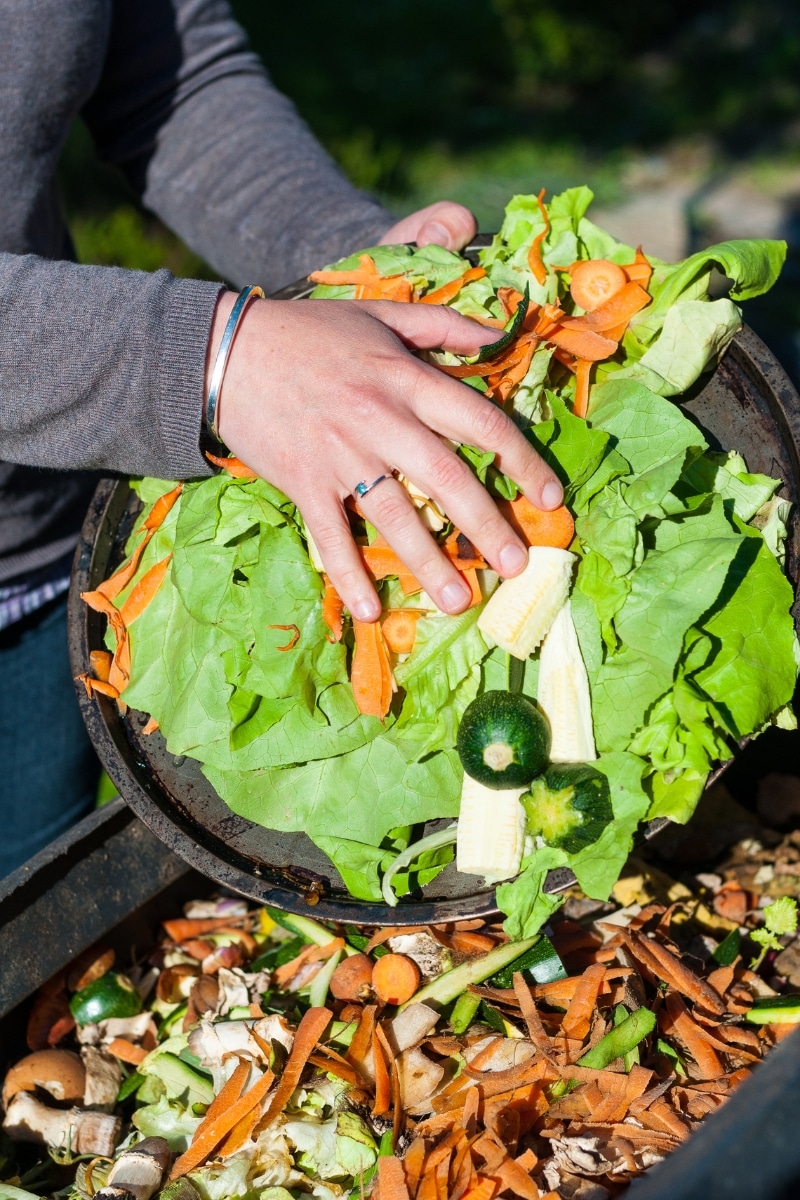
(221, 361)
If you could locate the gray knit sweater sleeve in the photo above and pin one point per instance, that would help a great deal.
(104, 368)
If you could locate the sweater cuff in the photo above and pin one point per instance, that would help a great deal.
(181, 368)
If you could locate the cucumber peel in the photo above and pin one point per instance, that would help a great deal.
(486, 353)
(621, 1040)
(775, 1010)
(452, 983)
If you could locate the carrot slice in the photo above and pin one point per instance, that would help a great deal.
(381, 561)
(515, 1179)
(112, 586)
(364, 273)
(582, 342)
(358, 1053)
(578, 1018)
(400, 629)
(535, 261)
(382, 935)
(392, 1179)
(484, 1189)
(210, 1133)
(234, 466)
(461, 551)
(580, 403)
(144, 591)
(539, 527)
(333, 1067)
(595, 280)
(101, 663)
(155, 518)
(674, 1019)
(413, 1162)
(449, 291)
(640, 270)
(510, 299)
(370, 674)
(182, 929)
(383, 1088)
(368, 282)
(395, 978)
(311, 1028)
(293, 640)
(101, 686)
(332, 610)
(240, 1135)
(471, 577)
(125, 1051)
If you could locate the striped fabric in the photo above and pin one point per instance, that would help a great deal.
(25, 595)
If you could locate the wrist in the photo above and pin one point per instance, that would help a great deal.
(228, 315)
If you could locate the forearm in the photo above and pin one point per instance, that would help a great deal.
(102, 368)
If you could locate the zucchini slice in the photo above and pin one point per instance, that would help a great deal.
(503, 740)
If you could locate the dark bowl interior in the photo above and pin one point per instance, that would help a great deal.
(748, 403)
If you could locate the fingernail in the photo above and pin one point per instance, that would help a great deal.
(512, 559)
(366, 610)
(552, 494)
(455, 595)
(434, 232)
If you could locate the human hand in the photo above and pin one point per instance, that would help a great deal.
(318, 396)
(444, 223)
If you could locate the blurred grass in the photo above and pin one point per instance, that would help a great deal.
(475, 100)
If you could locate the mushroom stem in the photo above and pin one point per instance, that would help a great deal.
(139, 1172)
(28, 1120)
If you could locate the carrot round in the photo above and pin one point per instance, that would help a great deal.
(395, 978)
(352, 979)
(400, 630)
(595, 280)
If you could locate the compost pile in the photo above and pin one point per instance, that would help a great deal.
(656, 615)
(267, 1055)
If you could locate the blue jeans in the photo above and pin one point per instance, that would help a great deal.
(48, 769)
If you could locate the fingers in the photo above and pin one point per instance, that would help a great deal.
(447, 479)
(444, 223)
(390, 510)
(460, 413)
(431, 326)
(329, 527)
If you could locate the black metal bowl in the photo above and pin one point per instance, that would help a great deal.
(748, 403)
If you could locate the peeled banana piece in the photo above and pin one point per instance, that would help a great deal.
(519, 614)
(563, 692)
(491, 831)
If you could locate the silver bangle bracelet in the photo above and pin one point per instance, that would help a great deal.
(221, 361)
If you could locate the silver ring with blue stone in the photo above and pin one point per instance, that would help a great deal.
(363, 488)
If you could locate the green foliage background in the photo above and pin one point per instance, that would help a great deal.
(477, 99)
